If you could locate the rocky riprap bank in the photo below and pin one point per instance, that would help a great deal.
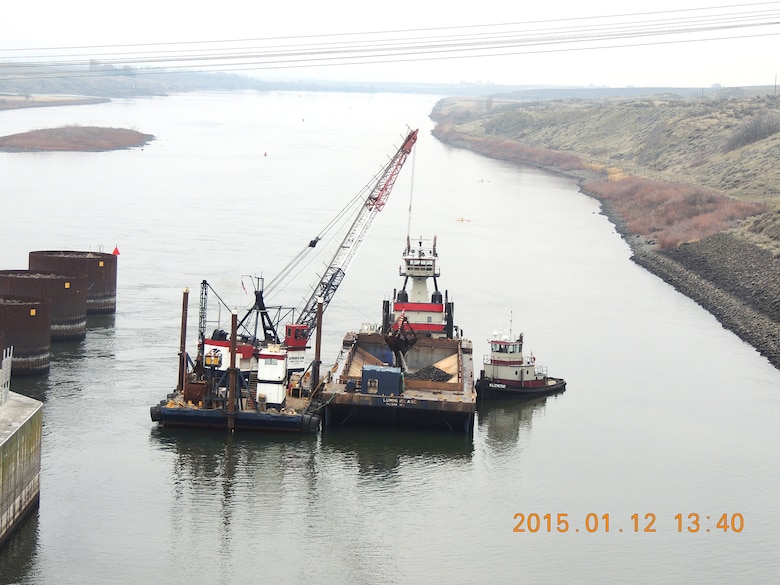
(738, 282)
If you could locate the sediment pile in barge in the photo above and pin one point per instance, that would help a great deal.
(367, 392)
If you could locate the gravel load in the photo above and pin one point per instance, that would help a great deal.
(431, 373)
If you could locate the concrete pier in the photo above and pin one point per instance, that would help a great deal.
(21, 423)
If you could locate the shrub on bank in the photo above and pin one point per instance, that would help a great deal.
(671, 213)
(752, 130)
(503, 149)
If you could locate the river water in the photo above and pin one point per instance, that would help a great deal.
(666, 412)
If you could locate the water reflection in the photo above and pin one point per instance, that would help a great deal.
(207, 454)
(36, 386)
(381, 452)
(224, 483)
(211, 465)
(18, 553)
(64, 352)
(96, 321)
(503, 421)
(68, 360)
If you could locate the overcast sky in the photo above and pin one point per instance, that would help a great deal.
(687, 43)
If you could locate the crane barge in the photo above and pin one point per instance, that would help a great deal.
(242, 379)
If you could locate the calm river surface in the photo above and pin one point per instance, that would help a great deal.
(666, 412)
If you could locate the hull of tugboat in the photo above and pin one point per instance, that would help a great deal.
(488, 389)
(217, 418)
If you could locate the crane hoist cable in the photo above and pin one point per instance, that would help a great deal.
(281, 278)
(361, 201)
(334, 273)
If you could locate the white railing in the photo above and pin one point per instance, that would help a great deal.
(5, 375)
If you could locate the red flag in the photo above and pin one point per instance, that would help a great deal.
(116, 251)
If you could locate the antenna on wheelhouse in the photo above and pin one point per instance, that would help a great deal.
(510, 326)
(411, 195)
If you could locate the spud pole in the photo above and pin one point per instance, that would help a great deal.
(231, 398)
(183, 342)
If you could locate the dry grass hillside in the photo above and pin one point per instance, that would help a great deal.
(727, 145)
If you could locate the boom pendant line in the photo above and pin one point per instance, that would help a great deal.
(375, 202)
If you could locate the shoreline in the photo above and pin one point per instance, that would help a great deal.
(700, 270)
(681, 268)
(74, 139)
(16, 101)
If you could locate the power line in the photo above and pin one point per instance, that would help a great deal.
(712, 9)
(409, 45)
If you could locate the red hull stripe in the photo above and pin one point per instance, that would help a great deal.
(525, 384)
(423, 327)
(419, 307)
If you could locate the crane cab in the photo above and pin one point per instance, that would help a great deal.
(296, 336)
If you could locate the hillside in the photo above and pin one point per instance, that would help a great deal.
(693, 185)
(730, 145)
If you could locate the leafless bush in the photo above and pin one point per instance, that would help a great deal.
(497, 147)
(756, 128)
(671, 213)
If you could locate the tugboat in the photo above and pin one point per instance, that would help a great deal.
(414, 371)
(509, 374)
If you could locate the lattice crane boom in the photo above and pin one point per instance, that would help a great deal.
(374, 203)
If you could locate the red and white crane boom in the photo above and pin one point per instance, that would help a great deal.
(373, 204)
